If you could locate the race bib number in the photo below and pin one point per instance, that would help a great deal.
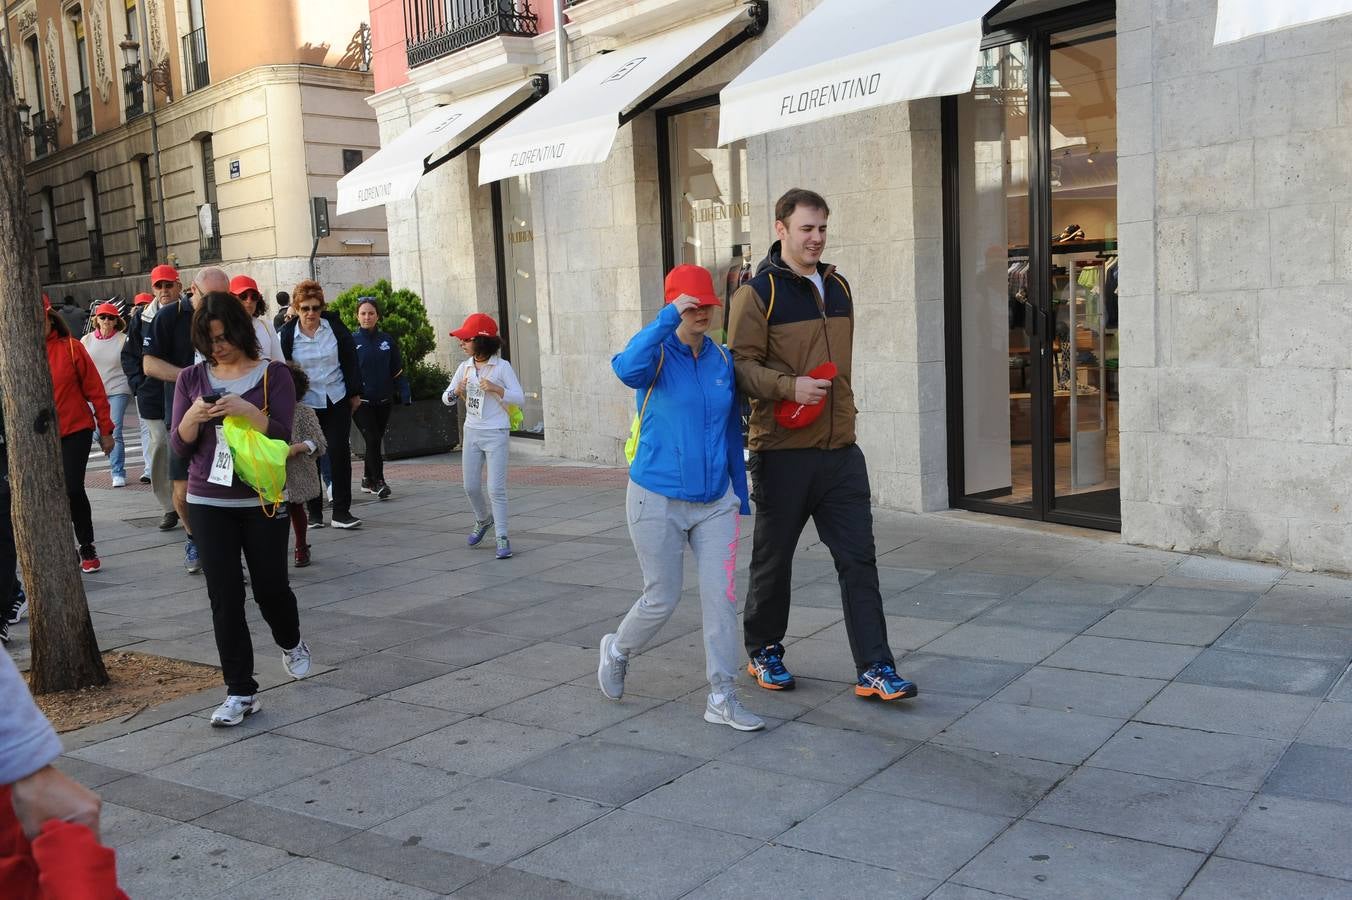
(222, 464)
(474, 399)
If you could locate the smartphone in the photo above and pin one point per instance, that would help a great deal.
(211, 398)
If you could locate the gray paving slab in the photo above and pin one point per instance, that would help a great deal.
(1279, 674)
(371, 725)
(1042, 615)
(364, 792)
(491, 821)
(1330, 726)
(612, 774)
(736, 799)
(677, 728)
(918, 719)
(953, 891)
(998, 784)
(802, 875)
(1173, 813)
(921, 838)
(405, 861)
(1002, 643)
(1037, 861)
(586, 857)
(512, 884)
(819, 754)
(1164, 627)
(1185, 754)
(478, 746)
(296, 834)
(1229, 879)
(472, 690)
(187, 861)
(312, 879)
(460, 647)
(1342, 691)
(1046, 734)
(828, 660)
(573, 708)
(1291, 833)
(1299, 606)
(563, 661)
(1304, 641)
(1078, 591)
(976, 584)
(164, 798)
(287, 703)
(379, 673)
(1116, 656)
(978, 678)
(248, 768)
(903, 632)
(919, 604)
(119, 825)
(1229, 710)
(1095, 693)
(157, 745)
(650, 675)
(1182, 599)
(1314, 773)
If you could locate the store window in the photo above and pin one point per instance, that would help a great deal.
(706, 201)
(517, 309)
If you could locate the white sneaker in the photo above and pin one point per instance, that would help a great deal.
(297, 660)
(729, 711)
(233, 710)
(119, 481)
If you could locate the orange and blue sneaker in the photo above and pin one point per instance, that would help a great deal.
(882, 681)
(767, 667)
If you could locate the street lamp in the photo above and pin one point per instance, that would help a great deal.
(158, 76)
(44, 130)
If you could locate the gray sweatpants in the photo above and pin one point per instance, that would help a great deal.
(660, 529)
(157, 452)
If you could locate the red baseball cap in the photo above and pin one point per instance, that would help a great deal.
(142, 299)
(476, 325)
(799, 415)
(241, 283)
(163, 273)
(692, 281)
(106, 309)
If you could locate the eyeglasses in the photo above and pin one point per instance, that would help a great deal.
(163, 284)
(219, 340)
(308, 309)
(105, 317)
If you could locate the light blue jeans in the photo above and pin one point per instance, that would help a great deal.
(117, 408)
(660, 529)
(479, 446)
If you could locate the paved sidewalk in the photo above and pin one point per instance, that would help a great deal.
(1094, 721)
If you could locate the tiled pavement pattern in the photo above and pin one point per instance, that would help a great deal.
(1095, 721)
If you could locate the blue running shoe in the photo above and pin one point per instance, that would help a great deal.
(477, 533)
(767, 667)
(882, 681)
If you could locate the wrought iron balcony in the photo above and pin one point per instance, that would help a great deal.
(44, 136)
(437, 28)
(84, 115)
(209, 249)
(195, 59)
(53, 261)
(96, 261)
(145, 231)
(134, 86)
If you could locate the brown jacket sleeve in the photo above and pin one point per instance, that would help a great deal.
(749, 340)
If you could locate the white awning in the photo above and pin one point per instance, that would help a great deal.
(395, 169)
(850, 55)
(1239, 19)
(576, 124)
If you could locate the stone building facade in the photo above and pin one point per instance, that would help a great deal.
(254, 108)
(1214, 388)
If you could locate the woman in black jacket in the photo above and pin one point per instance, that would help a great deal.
(382, 372)
(319, 342)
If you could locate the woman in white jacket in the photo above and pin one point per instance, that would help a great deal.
(488, 386)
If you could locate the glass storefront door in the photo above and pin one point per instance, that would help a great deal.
(1031, 210)
(517, 314)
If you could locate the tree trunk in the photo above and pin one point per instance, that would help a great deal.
(65, 650)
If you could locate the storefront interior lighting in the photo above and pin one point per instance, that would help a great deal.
(525, 319)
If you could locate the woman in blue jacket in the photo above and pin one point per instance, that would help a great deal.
(687, 484)
(382, 373)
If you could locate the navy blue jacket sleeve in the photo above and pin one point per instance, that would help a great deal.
(397, 372)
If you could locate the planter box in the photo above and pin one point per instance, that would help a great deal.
(424, 429)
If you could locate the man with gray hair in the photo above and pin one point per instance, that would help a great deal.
(169, 351)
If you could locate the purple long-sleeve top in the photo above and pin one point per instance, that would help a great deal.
(194, 382)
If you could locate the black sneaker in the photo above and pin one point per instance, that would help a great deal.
(316, 519)
(367, 487)
(144, 479)
(4, 632)
(345, 520)
(20, 608)
(383, 492)
(169, 521)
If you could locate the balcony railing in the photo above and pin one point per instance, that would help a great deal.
(135, 90)
(53, 261)
(42, 144)
(84, 115)
(195, 59)
(437, 28)
(145, 231)
(209, 250)
(96, 266)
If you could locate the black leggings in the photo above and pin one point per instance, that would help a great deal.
(221, 534)
(74, 461)
(372, 419)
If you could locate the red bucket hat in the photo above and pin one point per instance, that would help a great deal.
(799, 415)
(476, 325)
(692, 281)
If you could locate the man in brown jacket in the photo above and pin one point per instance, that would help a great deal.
(790, 323)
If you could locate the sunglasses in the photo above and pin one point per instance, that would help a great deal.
(163, 284)
(309, 309)
(105, 317)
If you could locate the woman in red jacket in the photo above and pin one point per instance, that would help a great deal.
(76, 385)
